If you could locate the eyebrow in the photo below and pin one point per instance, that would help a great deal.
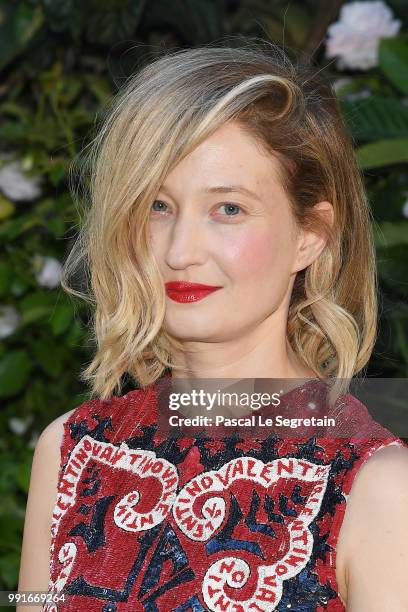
(225, 189)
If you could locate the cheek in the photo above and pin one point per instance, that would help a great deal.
(156, 242)
(255, 254)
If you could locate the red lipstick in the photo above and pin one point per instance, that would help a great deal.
(181, 291)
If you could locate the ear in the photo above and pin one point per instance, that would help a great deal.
(311, 244)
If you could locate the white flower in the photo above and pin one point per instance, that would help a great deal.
(355, 37)
(20, 426)
(50, 273)
(405, 208)
(16, 185)
(9, 320)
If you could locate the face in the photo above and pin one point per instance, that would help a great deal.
(221, 218)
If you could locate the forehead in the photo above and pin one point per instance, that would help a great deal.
(230, 155)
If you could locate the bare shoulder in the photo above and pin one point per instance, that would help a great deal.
(46, 459)
(35, 552)
(383, 474)
(394, 453)
(52, 434)
(374, 535)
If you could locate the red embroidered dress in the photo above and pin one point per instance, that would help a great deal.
(145, 522)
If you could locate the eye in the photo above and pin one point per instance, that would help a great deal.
(231, 209)
(160, 208)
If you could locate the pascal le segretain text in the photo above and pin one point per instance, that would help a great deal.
(253, 420)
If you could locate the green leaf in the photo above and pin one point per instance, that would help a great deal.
(393, 268)
(296, 19)
(49, 356)
(23, 472)
(57, 172)
(5, 276)
(12, 131)
(399, 322)
(75, 336)
(10, 527)
(19, 21)
(199, 21)
(11, 108)
(56, 225)
(19, 284)
(7, 208)
(61, 318)
(389, 234)
(375, 117)
(12, 228)
(387, 196)
(35, 306)
(15, 368)
(7, 476)
(383, 153)
(9, 568)
(393, 61)
(100, 87)
(111, 22)
(63, 15)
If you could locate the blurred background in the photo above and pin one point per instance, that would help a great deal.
(60, 61)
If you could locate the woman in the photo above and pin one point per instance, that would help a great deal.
(229, 168)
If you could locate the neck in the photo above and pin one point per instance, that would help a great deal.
(263, 352)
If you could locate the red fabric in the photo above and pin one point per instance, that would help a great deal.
(147, 523)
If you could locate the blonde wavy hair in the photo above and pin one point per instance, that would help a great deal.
(157, 118)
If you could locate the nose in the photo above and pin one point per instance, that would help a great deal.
(186, 241)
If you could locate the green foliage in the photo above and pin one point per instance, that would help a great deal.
(393, 60)
(61, 60)
(20, 22)
(383, 152)
(376, 117)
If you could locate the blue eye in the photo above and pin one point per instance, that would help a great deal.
(158, 202)
(231, 210)
(231, 206)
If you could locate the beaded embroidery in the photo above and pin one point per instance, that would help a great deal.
(198, 524)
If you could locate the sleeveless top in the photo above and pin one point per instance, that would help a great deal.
(148, 523)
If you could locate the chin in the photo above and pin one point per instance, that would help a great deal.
(194, 329)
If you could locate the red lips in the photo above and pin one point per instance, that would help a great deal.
(182, 291)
